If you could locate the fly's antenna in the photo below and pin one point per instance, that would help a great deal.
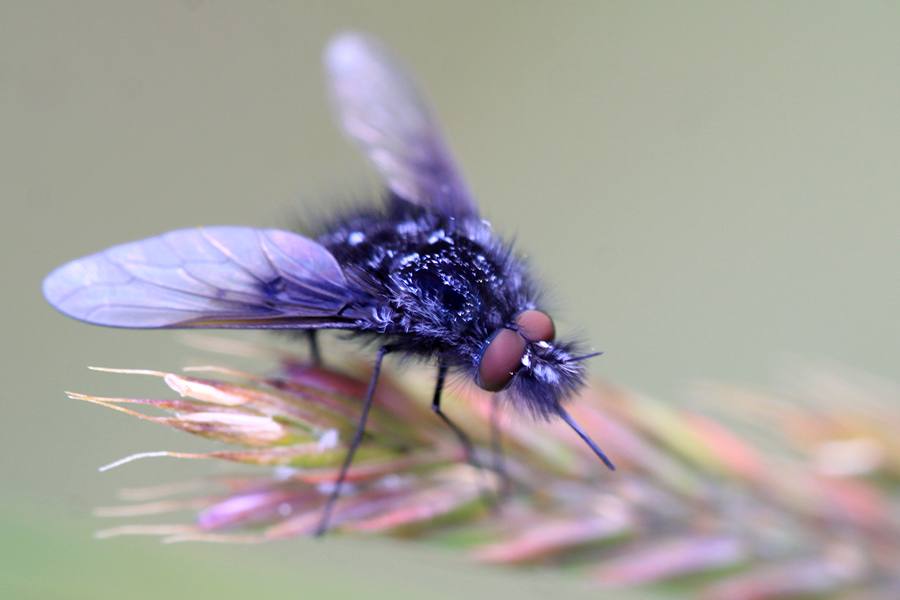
(565, 417)
(584, 356)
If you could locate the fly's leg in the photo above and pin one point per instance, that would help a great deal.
(499, 462)
(460, 434)
(354, 444)
(467, 445)
(314, 352)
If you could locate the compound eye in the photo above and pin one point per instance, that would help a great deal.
(535, 326)
(500, 360)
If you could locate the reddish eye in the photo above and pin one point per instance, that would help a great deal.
(500, 360)
(535, 326)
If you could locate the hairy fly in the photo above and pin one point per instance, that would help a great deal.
(423, 273)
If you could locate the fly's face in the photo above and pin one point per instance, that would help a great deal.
(511, 348)
(525, 354)
(525, 357)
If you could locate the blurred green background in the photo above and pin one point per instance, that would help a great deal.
(709, 188)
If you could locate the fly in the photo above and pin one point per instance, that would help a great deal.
(423, 272)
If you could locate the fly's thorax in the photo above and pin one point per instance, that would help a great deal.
(371, 236)
(449, 282)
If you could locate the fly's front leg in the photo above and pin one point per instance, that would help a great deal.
(460, 434)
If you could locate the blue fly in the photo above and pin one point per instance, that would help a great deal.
(422, 273)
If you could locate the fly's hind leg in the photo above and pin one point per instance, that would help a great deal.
(354, 444)
(315, 353)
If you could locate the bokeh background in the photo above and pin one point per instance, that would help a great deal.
(709, 189)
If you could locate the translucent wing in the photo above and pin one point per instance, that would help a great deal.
(214, 277)
(383, 110)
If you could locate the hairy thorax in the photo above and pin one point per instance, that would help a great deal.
(440, 279)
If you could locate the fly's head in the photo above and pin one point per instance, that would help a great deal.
(525, 359)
